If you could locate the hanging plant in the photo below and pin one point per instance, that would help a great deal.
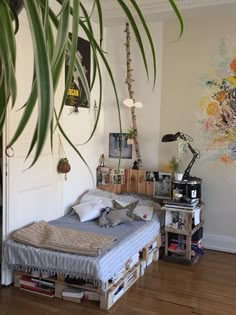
(49, 32)
(63, 166)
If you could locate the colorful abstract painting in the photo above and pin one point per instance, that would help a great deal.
(219, 108)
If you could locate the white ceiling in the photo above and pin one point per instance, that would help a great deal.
(161, 9)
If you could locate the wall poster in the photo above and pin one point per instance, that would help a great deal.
(76, 96)
(118, 141)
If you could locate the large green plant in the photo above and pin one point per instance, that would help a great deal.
(49, 55)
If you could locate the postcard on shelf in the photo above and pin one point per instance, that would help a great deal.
(117, 176)
(103, 175)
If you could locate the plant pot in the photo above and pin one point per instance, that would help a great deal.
(179, 176)
(130, 141)
(63, 166)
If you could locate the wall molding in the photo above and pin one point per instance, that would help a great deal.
(220, 243)
(159, 7)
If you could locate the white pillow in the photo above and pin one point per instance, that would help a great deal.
(89, 210)
(144, 212)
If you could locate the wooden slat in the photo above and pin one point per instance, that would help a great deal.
(141, 182)
(132, 180)
(149, 188)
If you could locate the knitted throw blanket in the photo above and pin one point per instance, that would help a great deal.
(44, 235)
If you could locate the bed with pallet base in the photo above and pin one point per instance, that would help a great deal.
(103, 278)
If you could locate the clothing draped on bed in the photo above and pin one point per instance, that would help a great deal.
(131, 237)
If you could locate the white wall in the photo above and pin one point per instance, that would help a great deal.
(186, 64)
(148, 118)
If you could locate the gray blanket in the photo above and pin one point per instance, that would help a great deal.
(44, 235)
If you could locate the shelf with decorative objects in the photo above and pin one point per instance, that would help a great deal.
(183, 232)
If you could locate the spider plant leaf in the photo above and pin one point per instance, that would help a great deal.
(33, 142)
(14, 15)
(6, 19)
(64, 4)
(71, 49)
(134, 3)
(136, 32)
(47, 28)
(3, 102)
(75, 60)
(8, 51)
(28, 110)
(99, 102)
(62, 26)
(43, 75)
(179, 16)
(100, 20)
(94, 68)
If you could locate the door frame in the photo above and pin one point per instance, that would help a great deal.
(6, 273)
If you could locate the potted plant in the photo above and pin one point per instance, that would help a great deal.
(131, 134)
(177, 168)
(49, 32)
(63, 166)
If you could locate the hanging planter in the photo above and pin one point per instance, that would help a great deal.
(63, 166)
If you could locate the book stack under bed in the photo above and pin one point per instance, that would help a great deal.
(183, 230)
(47, 288)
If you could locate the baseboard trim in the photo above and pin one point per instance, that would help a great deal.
(220, 242)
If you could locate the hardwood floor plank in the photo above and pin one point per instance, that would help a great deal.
(207, 288)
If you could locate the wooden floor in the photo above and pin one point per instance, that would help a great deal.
(207, 288)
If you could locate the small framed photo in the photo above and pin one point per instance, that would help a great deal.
(162, 185)
(103, 175)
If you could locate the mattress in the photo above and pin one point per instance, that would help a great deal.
(131, 237)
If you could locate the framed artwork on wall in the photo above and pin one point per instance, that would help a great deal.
(117, 141)
(162, 185)
(76, 96)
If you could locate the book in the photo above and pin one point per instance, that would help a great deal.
(180, 205)
(44, 291)
(36, 292)
(24, 280)
(73, 292)
(44, 282)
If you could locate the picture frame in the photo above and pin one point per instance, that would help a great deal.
(162, 185)
(117, 176)
(103, 175)
(119, 141)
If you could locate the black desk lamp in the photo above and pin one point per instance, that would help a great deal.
(196, 154)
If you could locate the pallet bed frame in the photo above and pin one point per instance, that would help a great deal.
(135, 182)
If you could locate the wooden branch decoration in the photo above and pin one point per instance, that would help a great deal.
(129, 80)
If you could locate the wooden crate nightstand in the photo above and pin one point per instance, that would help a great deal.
(182, 223)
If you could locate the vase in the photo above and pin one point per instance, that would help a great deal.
(179, 176)
(130, 141)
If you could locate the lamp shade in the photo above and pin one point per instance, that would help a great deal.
(169, 137)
